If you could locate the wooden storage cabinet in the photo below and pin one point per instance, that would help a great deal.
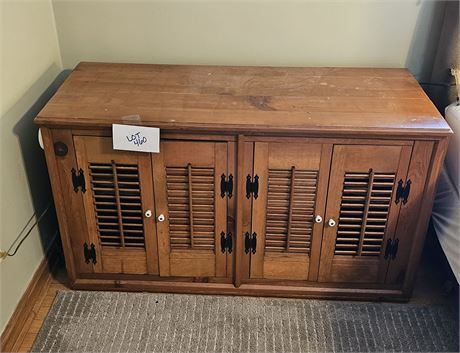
(251, 208)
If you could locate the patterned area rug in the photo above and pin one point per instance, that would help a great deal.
(145, 322)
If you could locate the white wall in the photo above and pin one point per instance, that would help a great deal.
(255, 32)
(30, 62)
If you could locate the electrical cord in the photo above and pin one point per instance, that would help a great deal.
(28, 232)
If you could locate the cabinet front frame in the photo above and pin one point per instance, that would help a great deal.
(68, 212)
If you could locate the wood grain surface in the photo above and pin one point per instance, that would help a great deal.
(245, 99)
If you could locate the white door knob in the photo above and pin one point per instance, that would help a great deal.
(318, 219)
(331, 223)
(161, 218)
(148, 213)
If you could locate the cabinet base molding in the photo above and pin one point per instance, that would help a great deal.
(244, 290)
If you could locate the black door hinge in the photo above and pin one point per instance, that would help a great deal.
(252, 186)
(391, 249)
(402, 192)
(226, 186)
(90, 253)
(250, 242)
(78, 180)
(226, 242)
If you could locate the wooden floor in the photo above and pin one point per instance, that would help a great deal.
(430, 289)
(58, 281)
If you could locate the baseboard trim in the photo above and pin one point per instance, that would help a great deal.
(16, 328)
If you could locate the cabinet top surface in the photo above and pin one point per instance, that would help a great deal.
(245, 99)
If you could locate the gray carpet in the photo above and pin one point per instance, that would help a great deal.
(141, 322)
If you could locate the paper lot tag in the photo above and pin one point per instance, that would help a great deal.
(136, 138)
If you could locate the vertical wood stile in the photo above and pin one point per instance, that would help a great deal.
(190, 202)
(118, 202)
(370, 186)
(291, 202)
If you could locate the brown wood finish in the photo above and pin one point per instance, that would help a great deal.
(278, 289)
(328, 142)
(187, 189)
(320, 208)
(287, 100)
(245, 161)
(124, 238)
(65, 199)
(424, 213)
(354, 171)
(283, 214)
(231, 206)
(407, 222)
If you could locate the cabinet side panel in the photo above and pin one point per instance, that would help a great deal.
(69, 204)
(59, 202)
(409, 215)
(439, 153)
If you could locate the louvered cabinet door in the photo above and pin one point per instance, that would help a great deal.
(292, 183)
(361, 213)
(191, 212)
(118, 201)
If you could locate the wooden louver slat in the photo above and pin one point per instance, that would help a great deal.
(117, 204)
(290, 209)
(364, 210)
(190, 192)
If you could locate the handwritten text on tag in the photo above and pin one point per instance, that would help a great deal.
(136, 138)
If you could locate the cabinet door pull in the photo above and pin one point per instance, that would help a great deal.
(318, 219)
